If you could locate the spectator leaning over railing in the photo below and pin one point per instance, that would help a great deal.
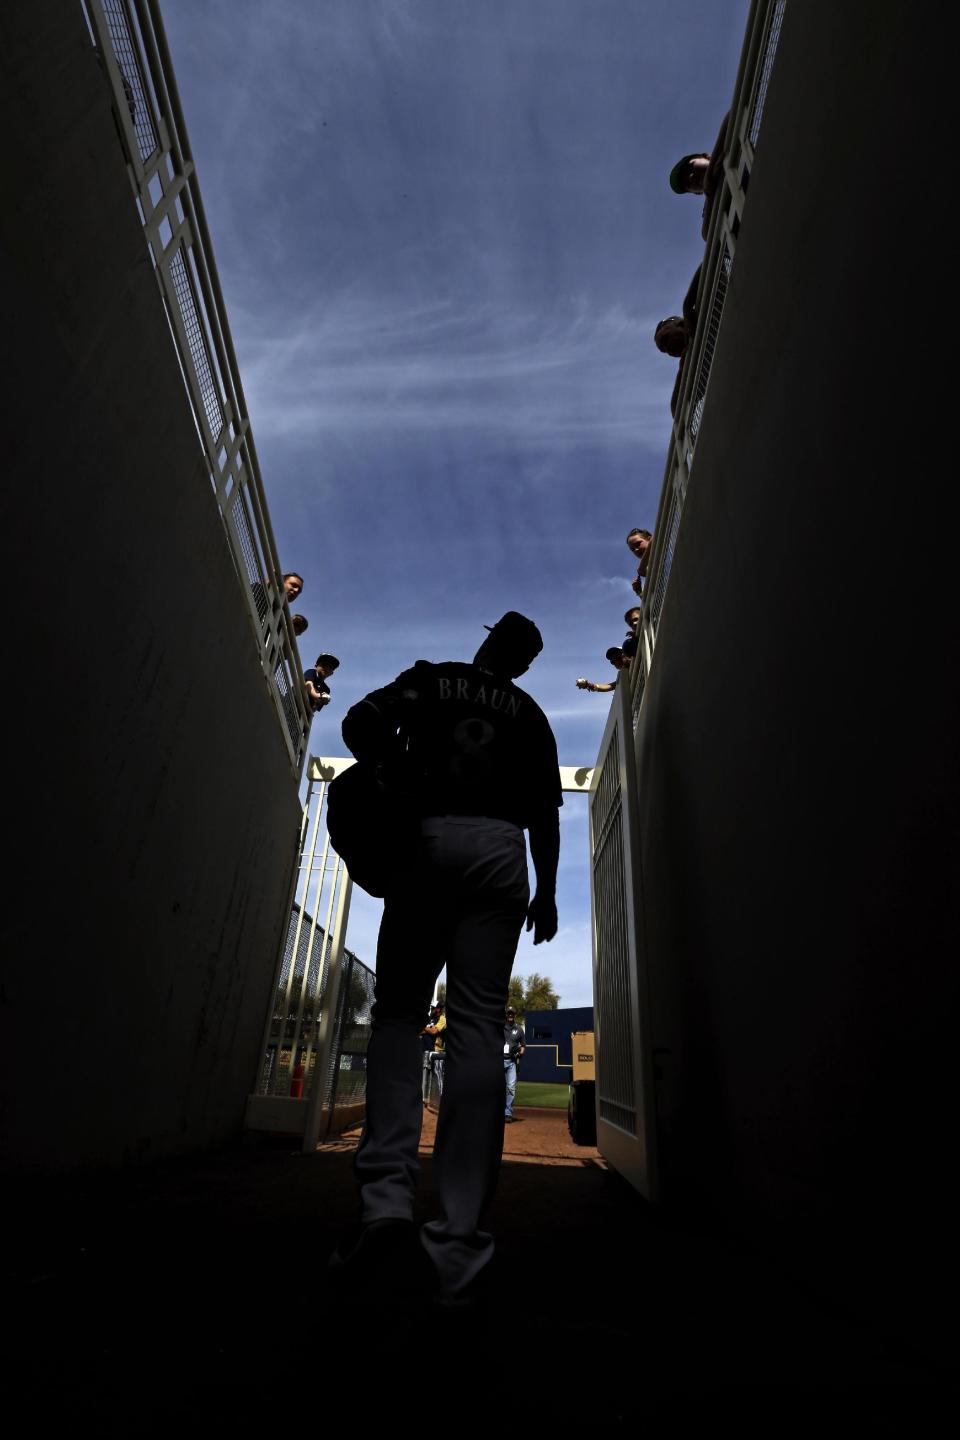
(292, 586)
(315, 680)
(632, 620)
(292, 589)
(619, 662)
(639, 542)
(701, 175)
(299, 623)
(673, 335)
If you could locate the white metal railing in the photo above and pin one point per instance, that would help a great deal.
(301, 1032)
(132, 47)
(743, 130)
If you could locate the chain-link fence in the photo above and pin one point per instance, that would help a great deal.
(289, 1061)
(346, 1080)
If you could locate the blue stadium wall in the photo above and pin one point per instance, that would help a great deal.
(548, 1058)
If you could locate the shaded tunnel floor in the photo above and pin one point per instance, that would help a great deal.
(198, 1287)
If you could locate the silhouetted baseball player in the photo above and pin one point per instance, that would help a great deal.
(475, 760)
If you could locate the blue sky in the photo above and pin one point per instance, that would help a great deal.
(445, 235)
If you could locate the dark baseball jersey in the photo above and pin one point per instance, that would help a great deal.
(473, 742)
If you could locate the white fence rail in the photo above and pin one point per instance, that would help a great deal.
(319, 986)
(131, 45)
(743, 130)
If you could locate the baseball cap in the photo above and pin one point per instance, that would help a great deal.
(678, 173)
(518, 633)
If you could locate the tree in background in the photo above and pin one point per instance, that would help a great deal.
(515, 993)
(539, 994)
(536, 992)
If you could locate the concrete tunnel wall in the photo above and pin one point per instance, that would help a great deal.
(153, 812)
(798, 744)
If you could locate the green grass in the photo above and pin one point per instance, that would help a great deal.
(530, 1092)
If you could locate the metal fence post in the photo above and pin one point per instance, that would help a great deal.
(326, 1036)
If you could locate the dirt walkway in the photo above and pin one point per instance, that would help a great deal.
(197, 1290)
(537, 1137)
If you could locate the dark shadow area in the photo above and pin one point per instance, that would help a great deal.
(199, 1287)
(797, 756)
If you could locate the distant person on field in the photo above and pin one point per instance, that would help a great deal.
(701, 174)
(428, 1036)
(440, 1047)
(514, 1044)
(315, 680)
(618, 660)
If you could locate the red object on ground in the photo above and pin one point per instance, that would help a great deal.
(296, 1081)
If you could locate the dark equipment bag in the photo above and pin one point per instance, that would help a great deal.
(370, 828)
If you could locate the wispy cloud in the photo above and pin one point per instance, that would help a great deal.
(556, 713)
(594, 585)
(445, 235)
(557, 378)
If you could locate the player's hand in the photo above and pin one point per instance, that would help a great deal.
(583, 684)
(542, 918)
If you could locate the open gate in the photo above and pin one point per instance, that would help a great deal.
(310, 1080)
(626, 1135)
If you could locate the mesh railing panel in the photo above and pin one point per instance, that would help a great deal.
(615, 1058)
(639, 680)
(284, 688)
(620, 1115)
(766, 69)
(670, 523)
(299, 993)
(710, 342)
(259, 598)
(294, 1029)
(347, 1078)
(134, 86)
(196, 344)
(248, 552)
(606, 798)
